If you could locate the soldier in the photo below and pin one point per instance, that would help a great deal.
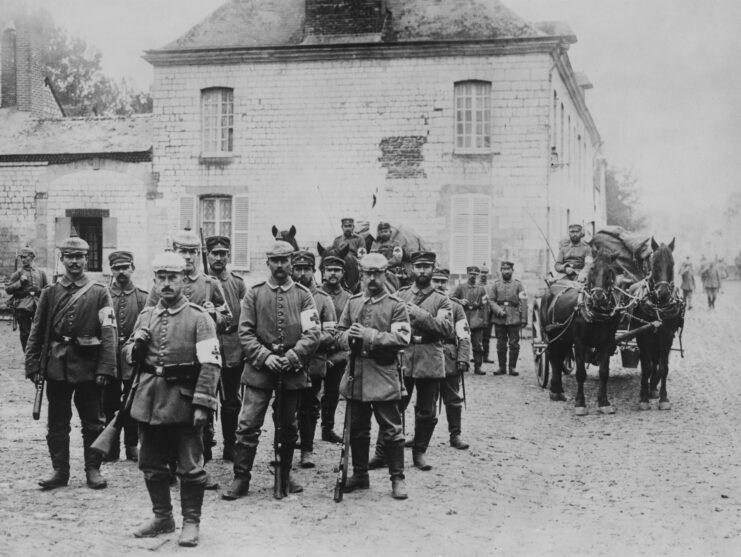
(687, 274)
(486, 339)
(219, 250)
(304, 268)
(457, 350)
(333, 270)
(573, 253)
(25, 286)
(711, 281)
(279, 331)
(128, 302)
(475, 301)
(81, 360)
(377, 325)
(205, 291)
(177, 350)
(430, 315)
(383, 240)
(348, 237)
(509, 311)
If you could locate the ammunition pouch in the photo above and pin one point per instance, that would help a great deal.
(84, 343)
(384, 356)
(174, 373)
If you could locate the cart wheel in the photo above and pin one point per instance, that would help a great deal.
(542, 366)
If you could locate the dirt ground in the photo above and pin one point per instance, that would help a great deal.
(537, 480)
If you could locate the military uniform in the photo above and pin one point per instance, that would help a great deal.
(355, 242)
(276, 320)
(572, 252)
(81, 359)
(25, 286)
(234, 289)
(128, 303)
(475, 301)
(486, 337)
(179, 373)
(375, 386)
(711, 281)
(509, 314)
(687, 274)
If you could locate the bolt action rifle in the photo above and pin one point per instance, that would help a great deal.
(339, 487)
(44, 362)
(280, 480)
(12, 302)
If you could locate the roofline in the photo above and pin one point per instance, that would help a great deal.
(568, 76)
(315, 52)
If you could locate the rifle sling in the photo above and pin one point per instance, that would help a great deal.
(59, 312)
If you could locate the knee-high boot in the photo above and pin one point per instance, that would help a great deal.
(59, 452)
(514, 353)
(244, 458)
(379, 457)
(396, 470)
(93, 459)
(422, 435)
(359, 449)
(453, 414)
(163, 522)
(191, 501)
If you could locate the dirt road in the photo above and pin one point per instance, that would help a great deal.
(537, 480)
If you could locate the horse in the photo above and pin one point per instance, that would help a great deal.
(286, 236)
(351, 280)
(585, 317)
(658, 300)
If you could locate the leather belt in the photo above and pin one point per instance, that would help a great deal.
(424, 339)
(505, 304)
(63, 339)
(174, 372)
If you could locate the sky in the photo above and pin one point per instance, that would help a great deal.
(666, 77)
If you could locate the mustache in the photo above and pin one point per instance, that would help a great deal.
(166, 289)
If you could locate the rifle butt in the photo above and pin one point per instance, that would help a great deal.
(104, 443)
(38, 399)
(339, 487)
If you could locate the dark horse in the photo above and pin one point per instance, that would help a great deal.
(286, 236)
(658, 300)
(351, 280)
(587, 318)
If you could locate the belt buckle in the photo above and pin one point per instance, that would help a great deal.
(417, 339)
(159, 371)
(66, 340)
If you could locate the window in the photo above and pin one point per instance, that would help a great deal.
(217, 109)
(90, 229)
(220, 215)
(473, 117)
(471, 226)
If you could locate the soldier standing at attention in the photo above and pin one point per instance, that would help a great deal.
(476, 304)
(349, 238)
(219, 250)
(486, 339)
(457, 349)
(509, 311)
(25, 286)
(333, 270)
(573, 253)
(711, 281)
(279, 330)
(687, 274)
(304, 268)
(176, 347)
(128, 302)
(430, 315)
(377, 325)
(81, 360)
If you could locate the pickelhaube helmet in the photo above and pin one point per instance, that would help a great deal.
(74, 244)
(186, 239)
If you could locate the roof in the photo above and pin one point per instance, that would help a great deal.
(22, 134)
(272, 23)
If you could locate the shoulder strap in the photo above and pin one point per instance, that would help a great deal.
(59, 312)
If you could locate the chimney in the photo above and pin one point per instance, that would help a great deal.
(344, 17)
(8, 85)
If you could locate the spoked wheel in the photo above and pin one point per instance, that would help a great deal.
(540, 351)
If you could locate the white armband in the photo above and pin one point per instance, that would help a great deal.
(403, 329)
(106, 317)
(443, 313)
(207, 352)
(462, 331)
(309, 320)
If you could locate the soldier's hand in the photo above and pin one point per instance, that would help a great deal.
(141, 335)
(200, 416)
(502, 313)
(209, 307)
(462, 367)
(102, 380)
(35, 377)
(356, 331)
(273, 363)
(24, 278)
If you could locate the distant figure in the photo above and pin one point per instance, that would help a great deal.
(349, 238)
(737, 261)
(573, 253)
(25, 285)
(687, 272)
(711, 281)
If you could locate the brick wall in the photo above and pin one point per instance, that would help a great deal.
(18, 184)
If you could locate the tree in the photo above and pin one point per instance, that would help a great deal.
(622, 198)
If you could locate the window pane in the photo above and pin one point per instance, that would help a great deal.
(217, 120)
(209, 209)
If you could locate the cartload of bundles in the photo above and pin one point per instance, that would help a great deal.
(633, 250)
(406, 238)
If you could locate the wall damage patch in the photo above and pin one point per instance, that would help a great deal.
(402, 156)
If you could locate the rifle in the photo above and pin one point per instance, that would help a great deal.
(280, 487)
(339, 486)
(43, 363)
(400, 371)
(13, 299)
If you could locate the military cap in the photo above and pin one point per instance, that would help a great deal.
(186, 239)
(74, 244)
(423, 257)
(302, 257)
(168, 261)
(27, 250)
(120, 256)
(218, 243)
(384, 226)
(484, 271)
(374, 262)
(504, 263)
(441, 274)
(348, 220)
(333, 261)
(575, 226)
(472, 269)
(279, 248)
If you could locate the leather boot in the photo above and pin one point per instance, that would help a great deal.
(379, 457)
(422, 435)
(454, 426)
(396, 471)
(191, 501)
(513, 355)
(307, 459)
(115, 453)
(329, 407)
(163, 522)
(502, 358)
(132, 453)
(359, 449)
(477, 361)
(286, 465)
(228, 432)
(244, 458)
(93, 459)
(59, 453)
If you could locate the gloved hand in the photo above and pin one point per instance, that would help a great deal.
(462, 367)
(141, 338)
(35, 378)
(102, 380)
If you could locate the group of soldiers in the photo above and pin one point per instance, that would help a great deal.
(201, 341)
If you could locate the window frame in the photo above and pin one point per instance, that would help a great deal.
(217, 145)
(485, 122)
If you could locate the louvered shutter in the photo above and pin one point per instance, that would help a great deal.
(480, 230)
(461, 225)
(240, 233)
(187, 216)
(471, 226)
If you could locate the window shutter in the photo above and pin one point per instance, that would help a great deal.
(461, 224)
(110, 233)
(480, 230)
(188, 218)
(240, 233)
(471, 225)
(62, 229)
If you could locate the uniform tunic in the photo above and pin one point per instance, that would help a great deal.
(127, 305)
(26, 295)
(272, 315)
(387, 331)
(328, 321)
(510, 297)
(355, 242)
(234, 289)
(431, 320)
(572, 254)
(88, 318)
(339, 300)
(475, 302)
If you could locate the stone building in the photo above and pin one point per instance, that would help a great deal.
(460, 119)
